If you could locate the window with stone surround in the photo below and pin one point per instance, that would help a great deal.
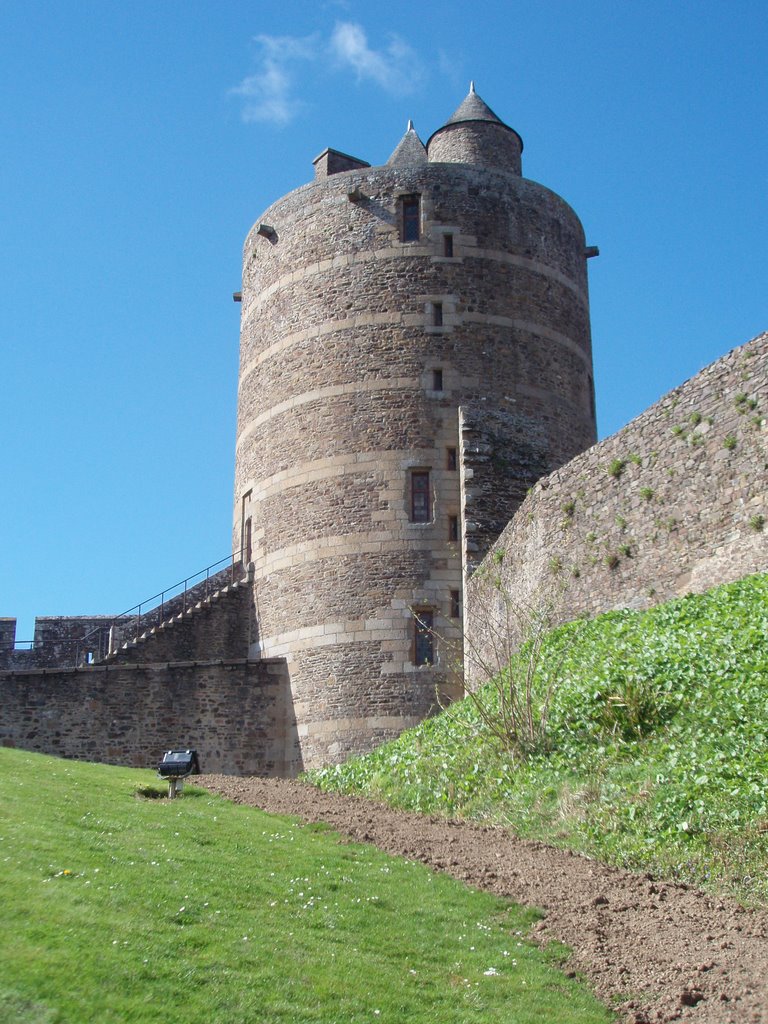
(455, 604)
(450, 459)
(423, 637)
(437, 314)
(247, 542)
(448, 245)
(453, 527)
(421, 496)
(410, 218)
(437, 380)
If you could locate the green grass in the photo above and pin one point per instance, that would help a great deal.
(121, 908)
(655, 755)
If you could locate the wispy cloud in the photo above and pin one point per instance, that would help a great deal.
(396, 69)
(271, 93)
(268, 94)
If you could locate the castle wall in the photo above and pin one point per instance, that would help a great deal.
(236, 714)
(350, 381)
(65, 641)
(676, 502)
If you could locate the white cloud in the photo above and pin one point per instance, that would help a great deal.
(268, 94)
(396, 69)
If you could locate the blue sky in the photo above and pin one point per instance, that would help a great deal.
(141, 140)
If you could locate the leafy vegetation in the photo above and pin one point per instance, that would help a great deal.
(655, 753)
(122, 908)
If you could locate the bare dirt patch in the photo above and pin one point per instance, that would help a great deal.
(657, 951)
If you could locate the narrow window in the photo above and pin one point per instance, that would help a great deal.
(411, 229)
(423, 637)
(437, 314)
(453, 527)
(421, 501)
(437, 380)
(247, 548)
(455, 604)
(450, 459)
(447, 245)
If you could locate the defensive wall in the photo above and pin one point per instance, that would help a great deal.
(234, 713)
(67, 641)
(186, 681)
(675, 502)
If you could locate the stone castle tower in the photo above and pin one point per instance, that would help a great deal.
(415, 353)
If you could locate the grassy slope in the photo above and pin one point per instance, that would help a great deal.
(118, 908)
(657, 753)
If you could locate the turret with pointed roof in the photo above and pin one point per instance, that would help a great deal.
(474, 135)
(410, 149)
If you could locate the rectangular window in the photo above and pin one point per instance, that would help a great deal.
(455, 604)
(247, 543)
(437, 314)
(450, 459)
(453, 527)
(411, 228)
(437, 380)
(423, 637)
(447, 245)
(421, 499)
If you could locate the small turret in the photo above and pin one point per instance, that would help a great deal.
(410, 149)
(475, 135)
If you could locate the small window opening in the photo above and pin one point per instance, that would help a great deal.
(89, 658)
(423, 637)
(447, 245)
(411, 228)
(450, 459)
(437, 380)
(453, 527)
(421, 499)
(247, 545)
(455, 604)
(437, 314)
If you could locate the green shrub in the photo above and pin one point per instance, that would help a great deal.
(616, 468)
(729, 442)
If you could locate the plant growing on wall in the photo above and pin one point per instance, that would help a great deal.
(515, 706)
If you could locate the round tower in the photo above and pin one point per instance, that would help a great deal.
(415, 353)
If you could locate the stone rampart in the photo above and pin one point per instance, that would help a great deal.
(236, 714)
(675, 502)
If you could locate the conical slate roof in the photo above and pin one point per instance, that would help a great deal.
(472, 108)
(409, 150)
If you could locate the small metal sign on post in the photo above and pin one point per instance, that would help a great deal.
(176, 766)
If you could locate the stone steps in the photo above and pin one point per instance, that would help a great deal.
(174, 620)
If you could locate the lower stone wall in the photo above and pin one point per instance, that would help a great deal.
(675, 502)
(236, 714)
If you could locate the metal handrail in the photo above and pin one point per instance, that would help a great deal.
(135, 612)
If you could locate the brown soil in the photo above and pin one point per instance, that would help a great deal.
(682, 954)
